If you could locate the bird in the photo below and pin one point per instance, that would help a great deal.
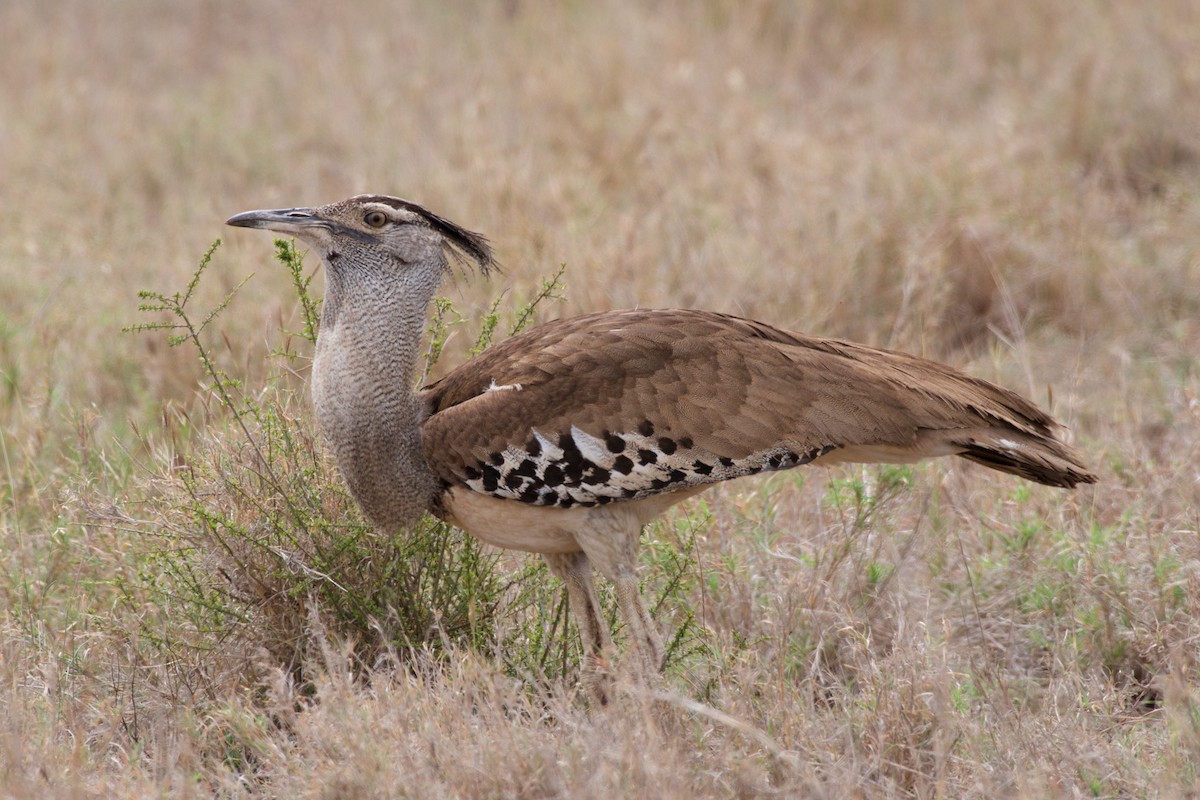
(567, 439)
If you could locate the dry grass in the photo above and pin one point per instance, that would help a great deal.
(1013, 190)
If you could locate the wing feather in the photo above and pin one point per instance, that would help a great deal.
(626, 404)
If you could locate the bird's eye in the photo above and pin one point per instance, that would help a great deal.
(376, 219)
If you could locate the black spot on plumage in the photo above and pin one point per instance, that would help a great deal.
(685, 442)
(701, 468)
(567, 442)
(534, 448)
(528, 468)
(566, 502)
(491, 478)
(677, 476)
(531, 494)
(659, 483)
(574, 471)
(629, 492)
(614, 443)
(553, 476)
(623, 465)
(496, 458)
(513, 480)
(774, 461)
(472, 474)
(646, 428)
(571, 455)
(725, 462)
(598, 475)
(647, 457)
(602, 499)
(667, 445)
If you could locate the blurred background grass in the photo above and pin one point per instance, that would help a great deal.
(1007, 187)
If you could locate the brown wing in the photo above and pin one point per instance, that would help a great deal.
(626, 404)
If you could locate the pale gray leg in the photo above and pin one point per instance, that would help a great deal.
(576, 572)
(611, 542)
(643, 633)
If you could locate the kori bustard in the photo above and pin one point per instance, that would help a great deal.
(567, 439)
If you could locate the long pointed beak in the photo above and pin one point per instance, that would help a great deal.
(283, 220)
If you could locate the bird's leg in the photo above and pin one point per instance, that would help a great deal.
(611, 543)
(642, 630)
(576, 572)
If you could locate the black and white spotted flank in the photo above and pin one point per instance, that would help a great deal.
(578, 469)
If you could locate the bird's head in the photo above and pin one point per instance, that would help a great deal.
(374, 230)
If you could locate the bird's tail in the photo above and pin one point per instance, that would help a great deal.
(1035, 456)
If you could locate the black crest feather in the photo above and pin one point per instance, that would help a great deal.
(464, 245)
